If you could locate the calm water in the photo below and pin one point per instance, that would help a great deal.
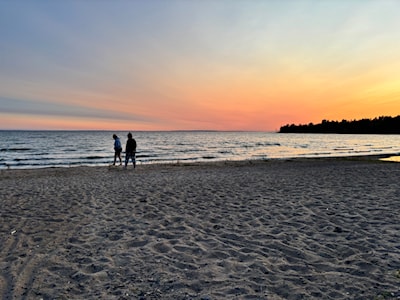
(37, 149)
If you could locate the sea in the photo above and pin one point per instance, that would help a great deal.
(42, 149)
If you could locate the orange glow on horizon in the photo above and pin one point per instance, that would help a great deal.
(193, 66)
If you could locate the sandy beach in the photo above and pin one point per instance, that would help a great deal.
(300, 229)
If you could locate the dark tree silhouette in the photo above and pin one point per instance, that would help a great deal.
(380, 125)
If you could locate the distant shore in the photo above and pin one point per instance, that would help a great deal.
(380, 125)
(321, 228)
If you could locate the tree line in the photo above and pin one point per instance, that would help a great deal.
(379, 125)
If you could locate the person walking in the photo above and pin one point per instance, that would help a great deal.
(130, 150)
(117, 149)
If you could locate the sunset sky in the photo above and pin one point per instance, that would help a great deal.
(191, 64)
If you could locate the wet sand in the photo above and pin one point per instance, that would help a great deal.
(301, 229)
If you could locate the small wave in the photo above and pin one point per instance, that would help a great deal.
(343, 149)
(19, 159)
(225, 152)
(77, 163)
(14, 149)
(93, 157)
(189, 150)
(268, 144)
(260, 156)
(382, 148)
(146, 155)
(301, 146)
(315, 154)
(166, 160)
(32, 159)
(29, 165)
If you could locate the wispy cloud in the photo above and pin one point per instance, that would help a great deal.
(45, 108)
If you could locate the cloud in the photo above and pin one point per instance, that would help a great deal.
(43, 108)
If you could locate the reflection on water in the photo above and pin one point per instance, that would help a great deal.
(392, 158)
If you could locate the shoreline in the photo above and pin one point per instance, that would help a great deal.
(318, 228)
(390, 157)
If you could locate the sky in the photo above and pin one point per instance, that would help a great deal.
(196, 64)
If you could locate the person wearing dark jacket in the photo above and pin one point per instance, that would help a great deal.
(130, 150)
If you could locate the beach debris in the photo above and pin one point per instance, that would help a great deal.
(13, 232)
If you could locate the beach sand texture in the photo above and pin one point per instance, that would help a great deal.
(312, 229)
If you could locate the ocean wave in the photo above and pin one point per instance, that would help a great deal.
(317, 154)
(343, 149)
(93, 157)
(267, 144)
(14, 149)
(146, 155)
